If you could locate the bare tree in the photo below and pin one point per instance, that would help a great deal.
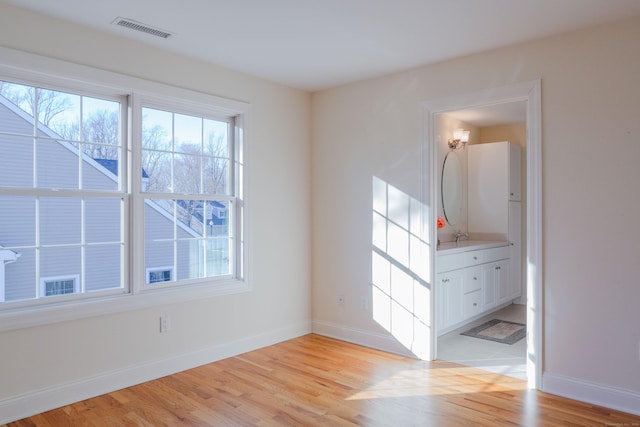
(47, 104)
(155, 162)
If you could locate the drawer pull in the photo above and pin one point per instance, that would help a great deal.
(475, 278)
(475, 304)
(475, 258)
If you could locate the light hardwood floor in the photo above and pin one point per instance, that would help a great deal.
(314, 380)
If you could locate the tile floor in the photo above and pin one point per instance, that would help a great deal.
(488, 355)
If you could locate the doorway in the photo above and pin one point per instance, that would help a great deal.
(499, 102)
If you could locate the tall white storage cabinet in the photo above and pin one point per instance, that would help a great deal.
(494, 200)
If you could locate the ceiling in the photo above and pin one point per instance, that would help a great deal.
(317, 44)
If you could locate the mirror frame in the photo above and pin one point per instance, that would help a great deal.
(451, 217)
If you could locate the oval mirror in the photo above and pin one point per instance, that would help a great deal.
(451, 188)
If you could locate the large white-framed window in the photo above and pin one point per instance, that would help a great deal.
(188, 156)
(62, 195)
(105, 177)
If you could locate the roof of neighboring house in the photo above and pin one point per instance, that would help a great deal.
(112, 166)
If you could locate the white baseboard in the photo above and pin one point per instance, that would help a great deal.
(596, 394)
(25, 405)
(382, 342)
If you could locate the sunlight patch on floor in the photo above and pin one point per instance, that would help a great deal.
(440, 381)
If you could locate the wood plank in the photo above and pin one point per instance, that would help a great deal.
(315, 380)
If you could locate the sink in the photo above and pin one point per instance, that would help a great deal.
(466, 245)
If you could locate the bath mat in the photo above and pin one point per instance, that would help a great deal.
(500, 331)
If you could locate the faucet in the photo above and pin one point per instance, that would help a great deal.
(460, 234)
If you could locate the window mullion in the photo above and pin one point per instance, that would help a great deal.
(135, 211)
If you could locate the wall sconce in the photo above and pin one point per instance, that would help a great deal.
(459, 136)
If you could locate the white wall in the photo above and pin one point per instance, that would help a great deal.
(591, 149)
(57, 358)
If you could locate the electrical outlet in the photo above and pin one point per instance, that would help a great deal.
(340, 299)
(364, 303)
(165, 323)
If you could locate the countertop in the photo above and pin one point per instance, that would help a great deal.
(446, 248)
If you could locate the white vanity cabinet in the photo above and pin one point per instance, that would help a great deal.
(493, 179)
(471, 280)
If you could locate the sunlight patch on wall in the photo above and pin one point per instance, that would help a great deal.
(401, 267)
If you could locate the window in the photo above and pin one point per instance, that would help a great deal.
(99, 188)
(189, 162)
(62, 202)
(59, 286)
(159, 275)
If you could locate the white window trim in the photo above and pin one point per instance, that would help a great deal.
(21, 66)
(44, 280)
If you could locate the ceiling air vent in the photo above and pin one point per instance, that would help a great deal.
(139, 26)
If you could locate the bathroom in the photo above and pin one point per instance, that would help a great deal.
(461, 229)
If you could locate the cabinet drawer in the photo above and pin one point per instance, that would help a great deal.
(472, 276)
(474, 257)
(496, 254)
(471, 304)
(450, 262)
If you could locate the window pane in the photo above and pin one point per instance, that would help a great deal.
(190, 259)
(20, 280)
(157, 128)
(216, 138)
(101, 124)
(216, 176)
(20, 97)
(159, 219)
(103, 220)
(18, 224)
(100, 173)
(158, 256)
(187, 134)
(16, 159)
(187, 174)
(59, 112)
(103, 267)
(57, 164)
(60, 220)
(217, 256)
(156, 171)
(60, 262)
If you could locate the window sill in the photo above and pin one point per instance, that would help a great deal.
(13, 319)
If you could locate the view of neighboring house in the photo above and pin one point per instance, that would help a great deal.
(57, 245)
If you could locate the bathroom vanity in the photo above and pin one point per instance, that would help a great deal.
(473, 279)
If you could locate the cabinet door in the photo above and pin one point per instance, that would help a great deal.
(515, 172)
(502, 277)
(453, 298)
(489, 297)
(449, 308)
(487, 188)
